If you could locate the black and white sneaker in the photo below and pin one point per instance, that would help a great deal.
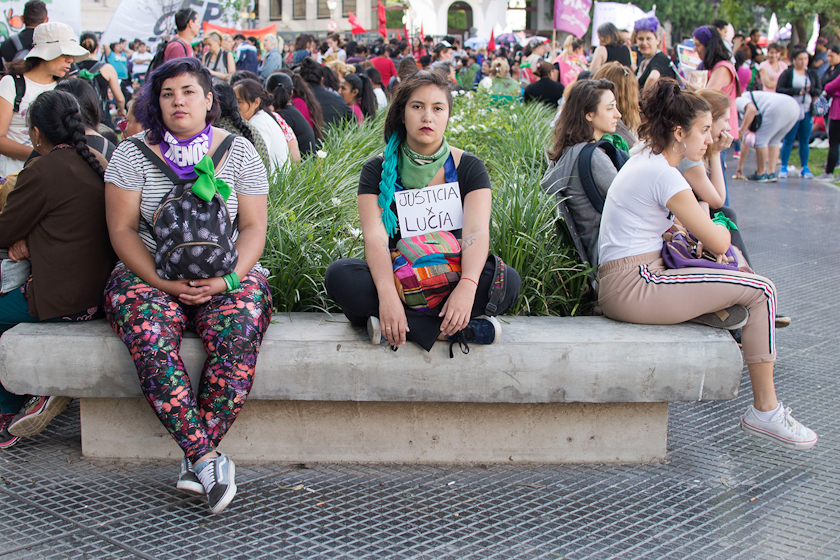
(187, 479)
(217, 476)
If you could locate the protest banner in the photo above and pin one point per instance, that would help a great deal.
(623, 16)
(149, 20)
(572, 16)
(258, 33)
(65, 11)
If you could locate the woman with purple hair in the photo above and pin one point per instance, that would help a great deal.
(647, 34)
(150, 307)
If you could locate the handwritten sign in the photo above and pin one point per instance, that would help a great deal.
(434, 208)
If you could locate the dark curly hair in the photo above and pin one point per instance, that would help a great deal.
(147, 110)
(56, 115)
(666, 107)
(230, 108)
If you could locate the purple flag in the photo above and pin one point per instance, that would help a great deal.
(572, 16)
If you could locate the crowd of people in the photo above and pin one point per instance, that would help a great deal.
(150, 181)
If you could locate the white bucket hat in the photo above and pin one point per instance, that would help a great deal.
(54, 39)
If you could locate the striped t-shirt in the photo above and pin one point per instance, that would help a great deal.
(129, 169)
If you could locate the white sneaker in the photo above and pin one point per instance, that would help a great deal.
(782, 429)
(828, 177)
(817, 143)
(824, 144)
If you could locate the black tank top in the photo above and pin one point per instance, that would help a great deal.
(619, 53)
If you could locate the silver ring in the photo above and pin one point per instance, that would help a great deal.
(387, 328)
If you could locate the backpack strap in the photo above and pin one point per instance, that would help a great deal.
(498, 289)
(585, 171)
(164, 168)
(20, 91)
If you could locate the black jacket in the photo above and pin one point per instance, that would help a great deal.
(544, 90)
(333, 106)
(785, 83)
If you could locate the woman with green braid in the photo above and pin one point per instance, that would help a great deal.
(417, 156)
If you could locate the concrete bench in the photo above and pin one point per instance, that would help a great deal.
(555, 390)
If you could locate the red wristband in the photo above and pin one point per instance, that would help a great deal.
(471, 280)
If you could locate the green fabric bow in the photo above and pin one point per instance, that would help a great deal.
(725, 222)
(207, 184)
(87, 75)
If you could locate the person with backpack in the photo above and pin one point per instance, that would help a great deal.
(635, 284)
(53, 52)
(583, 165)
(217, 288)
(54, 219)
(218, 61)
(464, 285)
(103, 77)
(18, 45)
(188, 27)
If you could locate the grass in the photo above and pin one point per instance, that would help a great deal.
(313, 218)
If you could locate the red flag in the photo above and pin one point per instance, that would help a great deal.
(491, 46)
(354, 22)
(407, 36)
(383, 30)
(399, 37)
(422, 37)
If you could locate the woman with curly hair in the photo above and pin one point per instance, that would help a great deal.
(635, 286)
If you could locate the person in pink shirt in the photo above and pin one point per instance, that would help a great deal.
(188, 26)
(772, 68)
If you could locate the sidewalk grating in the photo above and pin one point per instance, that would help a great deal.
(719, 494)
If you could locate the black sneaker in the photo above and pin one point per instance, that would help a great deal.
(37, 414)
(187, 479)
(730, 318)
(481, 330)
(6, 439)
(217, 477)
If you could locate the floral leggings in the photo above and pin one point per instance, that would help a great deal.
(231, 326)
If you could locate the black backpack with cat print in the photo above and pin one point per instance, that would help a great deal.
(194, 237)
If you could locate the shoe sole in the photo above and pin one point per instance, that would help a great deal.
(782, 322)
(227, 498)
(33, 424)
(9, 443)
(721, 326)
(374, 331)
(194, 488)
(778, 440)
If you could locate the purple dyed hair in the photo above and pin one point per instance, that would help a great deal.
(650, 24)
(147, 108)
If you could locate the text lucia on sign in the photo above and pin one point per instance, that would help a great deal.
(434, 208)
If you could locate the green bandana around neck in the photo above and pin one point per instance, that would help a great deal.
(207, 184)
(418, 170)
(617, 141)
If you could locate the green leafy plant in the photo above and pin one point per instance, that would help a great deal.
(313, 217)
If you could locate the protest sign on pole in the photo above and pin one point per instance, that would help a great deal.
(623, 16)
(258, 33)
(65, 11)
(572, 16)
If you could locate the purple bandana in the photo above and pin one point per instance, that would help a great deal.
(182, 155)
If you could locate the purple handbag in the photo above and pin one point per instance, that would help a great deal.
(679, 250)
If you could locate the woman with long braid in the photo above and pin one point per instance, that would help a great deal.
(55, 217)
(416, 156)
(231, 121)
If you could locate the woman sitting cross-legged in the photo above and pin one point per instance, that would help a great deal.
(417, 156)
(635, 285)
(55, 217)
(158, 290)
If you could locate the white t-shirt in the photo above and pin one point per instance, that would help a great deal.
(18, 130)
(381, 99)
(272, 135)
(635, 213)
(129, 169)
(141, 61)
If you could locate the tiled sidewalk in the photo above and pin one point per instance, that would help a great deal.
(720, 494)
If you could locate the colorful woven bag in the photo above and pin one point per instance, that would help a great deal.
(426, 269)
